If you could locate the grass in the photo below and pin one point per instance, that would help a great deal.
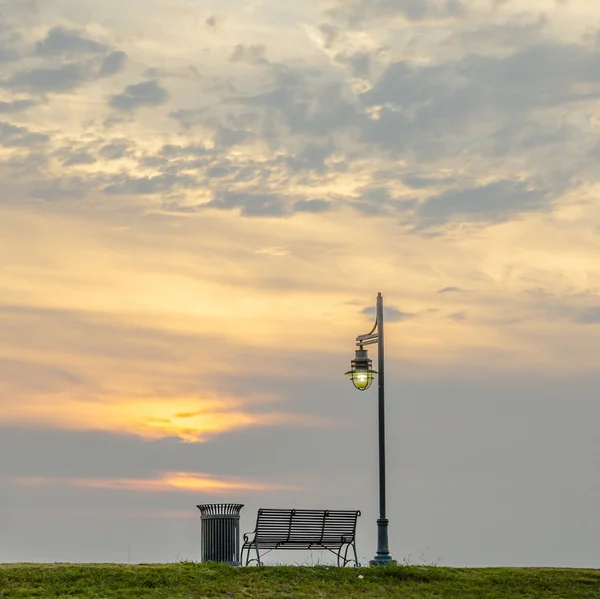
(189, 580)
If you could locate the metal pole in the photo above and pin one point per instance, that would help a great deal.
(383, 556)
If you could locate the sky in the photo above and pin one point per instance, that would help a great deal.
(199, 202)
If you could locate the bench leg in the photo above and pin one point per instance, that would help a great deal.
(254, 559)
(248, 547)
(342, 559)
(345, 559)
(356, 564)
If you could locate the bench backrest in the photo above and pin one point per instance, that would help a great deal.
(313, 526)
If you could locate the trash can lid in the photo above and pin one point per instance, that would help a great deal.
(220, 508)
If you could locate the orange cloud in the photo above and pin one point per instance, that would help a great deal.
(169, 481)
(190, 419)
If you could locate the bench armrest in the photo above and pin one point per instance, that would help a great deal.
(247, 535)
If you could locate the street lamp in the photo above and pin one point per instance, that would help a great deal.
(362, 376)
(361, 373)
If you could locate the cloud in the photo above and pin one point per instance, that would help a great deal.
(589, 315)
(539, 75)
(68, 76)
(115, 150)
(41, 377)
(249, 54)
(313, 206)
(500, 104)
(176, 151)
(500, 38)
(359, 63)
(571, 308)
(190, 482)
(77, 158)
(217, 172)
(578, 308)
(12, 136)
(113, 64)
(146, 93)
(16, 106)
(48, 80)
(146, 417)
(149, 185)
(547, 73)
(390, 313)
(273, 251)
(227, 137)
(62, 41)
(449, 290)
(250, 204)
(11, 42)
(188, 118)
(300, 103)
(416, 182)
(311, 157)
(493, 202)
(316, 129)
(414, 104)
(63, 188)
(359, 11)
(459, 316)
(26, 164)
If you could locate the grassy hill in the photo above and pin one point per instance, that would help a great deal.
(189, 580)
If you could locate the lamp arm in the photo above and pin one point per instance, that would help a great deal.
(374, 327)
(369, 338)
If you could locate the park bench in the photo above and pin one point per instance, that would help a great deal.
(331, 530)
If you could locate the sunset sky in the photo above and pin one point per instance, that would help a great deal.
(199, 202)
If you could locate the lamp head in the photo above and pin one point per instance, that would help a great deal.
(361, 373)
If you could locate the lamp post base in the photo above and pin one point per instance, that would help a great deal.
(383, 560)
(383, 557)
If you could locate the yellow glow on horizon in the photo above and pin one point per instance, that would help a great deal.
(169, 481)
(191, 420)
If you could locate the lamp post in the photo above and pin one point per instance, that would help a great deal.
(362, 374)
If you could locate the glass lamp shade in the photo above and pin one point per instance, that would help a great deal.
(361, 372)
(362, 380)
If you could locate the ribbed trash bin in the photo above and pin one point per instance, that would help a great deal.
(220, 532)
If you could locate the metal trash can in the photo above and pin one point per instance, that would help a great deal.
(220, 532)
